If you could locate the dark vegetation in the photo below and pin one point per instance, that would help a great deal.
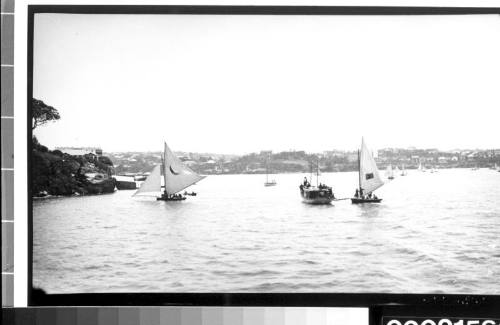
(56, 173)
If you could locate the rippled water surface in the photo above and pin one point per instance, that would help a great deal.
(433, 232)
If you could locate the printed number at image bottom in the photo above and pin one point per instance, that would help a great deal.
(439, 321)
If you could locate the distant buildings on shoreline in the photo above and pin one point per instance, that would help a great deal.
(300, 161)
(80, 151)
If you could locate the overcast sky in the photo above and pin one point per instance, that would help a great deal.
(239, 84)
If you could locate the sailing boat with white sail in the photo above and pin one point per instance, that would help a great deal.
(421, 168)
(176, 176)
(403, 171)
(389, 172)
(369, 178)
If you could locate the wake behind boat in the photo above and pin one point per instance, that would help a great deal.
(369, 178)
(176, 176)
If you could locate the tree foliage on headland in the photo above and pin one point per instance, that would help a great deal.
(42, 113)
(56, 173)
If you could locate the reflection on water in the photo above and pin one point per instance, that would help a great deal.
(431, 233)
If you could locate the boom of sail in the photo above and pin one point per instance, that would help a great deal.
(369, 178)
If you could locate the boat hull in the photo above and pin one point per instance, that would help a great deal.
(360, 201)
(317, 201)
(269, 184)
(126, 185)
(317, 195)
(170, 198)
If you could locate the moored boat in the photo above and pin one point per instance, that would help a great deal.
(269, 182)
(126, 185)
(389, 172)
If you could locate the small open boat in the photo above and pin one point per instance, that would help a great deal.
(369, 177)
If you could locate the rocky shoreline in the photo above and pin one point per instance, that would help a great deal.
(59, 174)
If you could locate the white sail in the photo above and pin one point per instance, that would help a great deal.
(369, 178)
(152, 184)
(389, 172)
(177, 175)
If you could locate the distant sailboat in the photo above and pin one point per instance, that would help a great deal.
(176, 176)
(389, 172)
(269, 182)
(369, 178)
(421, 168)
(403, 171)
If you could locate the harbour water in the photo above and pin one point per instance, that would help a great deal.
(432, 233)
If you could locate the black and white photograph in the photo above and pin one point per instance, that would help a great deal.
(296, 153)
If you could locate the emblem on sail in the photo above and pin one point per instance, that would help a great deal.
(176, 176)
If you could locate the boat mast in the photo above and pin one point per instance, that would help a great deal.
(164, 174)
(317, 171)
(359, 170)
(267, 170)
(311, 171)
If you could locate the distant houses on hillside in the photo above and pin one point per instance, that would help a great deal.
(80, 151)
(294, 161)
